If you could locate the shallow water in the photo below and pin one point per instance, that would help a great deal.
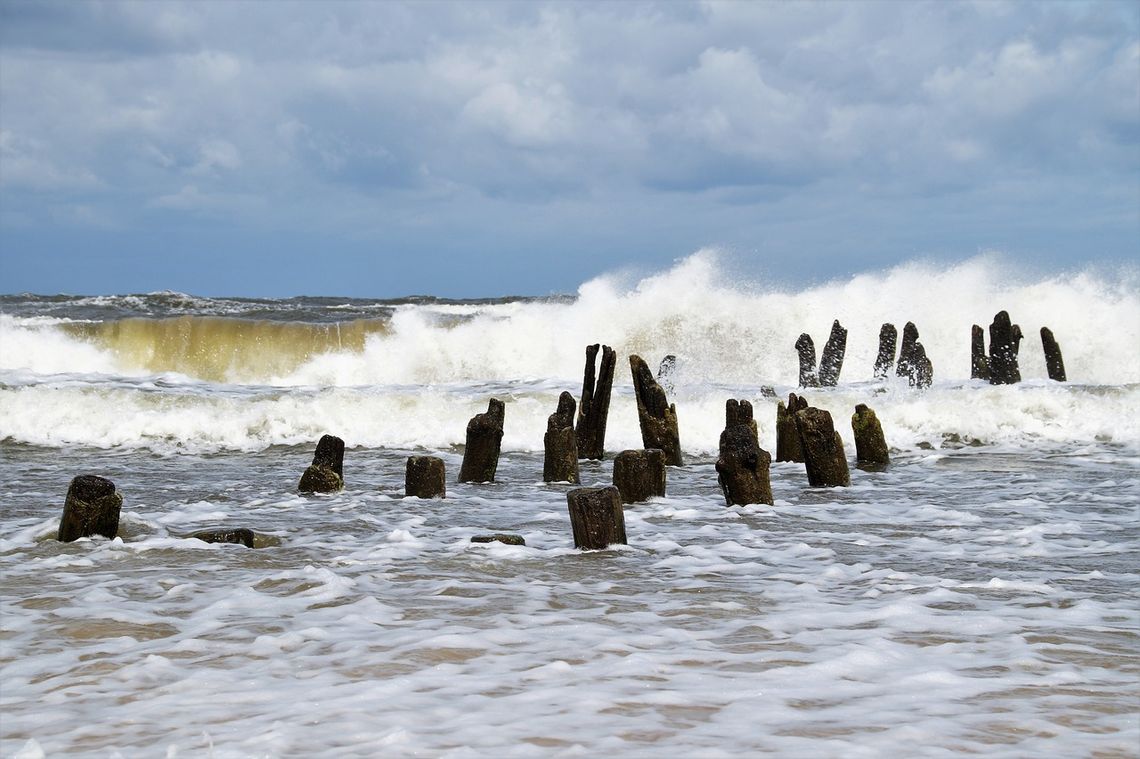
(976, 597)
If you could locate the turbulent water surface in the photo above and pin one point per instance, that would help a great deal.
(979, 596)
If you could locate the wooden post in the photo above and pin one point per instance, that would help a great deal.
(831, 360)
(888, 340)
(1004, 342)
(596, 517)
(923, 374)
(590, 432)
(91, 508)
(870, 444)
(326, 473)
(425, 477)
(742, 469)
(788, 445)
(484, 438)
(806, 348)
(666, 371)
(658, 418)
(979, 364)
(560, 462)
(640, 474)
(824, 459)
(1054, 363)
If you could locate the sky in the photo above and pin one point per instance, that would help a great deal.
(380, 149)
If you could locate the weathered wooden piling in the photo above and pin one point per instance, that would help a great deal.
(888, 340)
(979, 364)
(237, 535)
(1054, 363)
(831, 360)
(326, 473)
(805, 347)
(665, 372)
(590, 431)
(484, 438)
(788, 445)
(824, 458)
(596, 517)
(1004, 343)
(870, 443)
(91, 508)
(425, 477)
(658, 419)
(560, 462)
(913, 362)
(742, 468)
(640, 474)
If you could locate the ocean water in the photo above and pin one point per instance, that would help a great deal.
(978, 597)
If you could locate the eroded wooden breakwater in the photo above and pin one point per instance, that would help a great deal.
(803, 434)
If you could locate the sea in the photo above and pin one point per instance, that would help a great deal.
(977, 597)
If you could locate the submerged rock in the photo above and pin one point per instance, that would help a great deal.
(499, 537)
(237, 535)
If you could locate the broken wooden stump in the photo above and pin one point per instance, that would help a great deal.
(870, 443)
(742, 468)
(236, 535)
(788, 446)
(1054, 363)
(326, 473)
(425, 477)
(824, 459)
(640, 474)
(885, 360)
(1005, 339)
(484, 438)
(657, 418)
(500, 537)
(596, 517)
(979, 364)
(590, 432)
(831, 360)
(806, 349)
(913, 362)
(91, 508)
(560, 460)
(666, 371)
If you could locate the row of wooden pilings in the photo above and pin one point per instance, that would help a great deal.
(999, 366)
(804, 434)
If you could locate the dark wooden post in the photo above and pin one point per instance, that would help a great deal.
(560, 462)
(91, 508)
(742, 468)
(425, 477)
(806, 349)
(888, 340)
(788, 445)
(595, 406)
(905, 365)
(1004, 343)
(484, 438)
(640, 474)
(658, 419)
(923, 374)
(1054, 363)
(824, 459)
(979, 364)
(870, 443)
(596, 517)
(326, 473)
(831, 360)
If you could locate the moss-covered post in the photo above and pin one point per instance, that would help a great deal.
(824, 458)
(742, 468)
(560, 460)
(91, 508)
(788, 445)
(870, 443)
(640, 474)
(326, 473)
(484, 438)
(831, 360)
(657, 417)
(805, 347)
(885, 360)
(425, 477)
